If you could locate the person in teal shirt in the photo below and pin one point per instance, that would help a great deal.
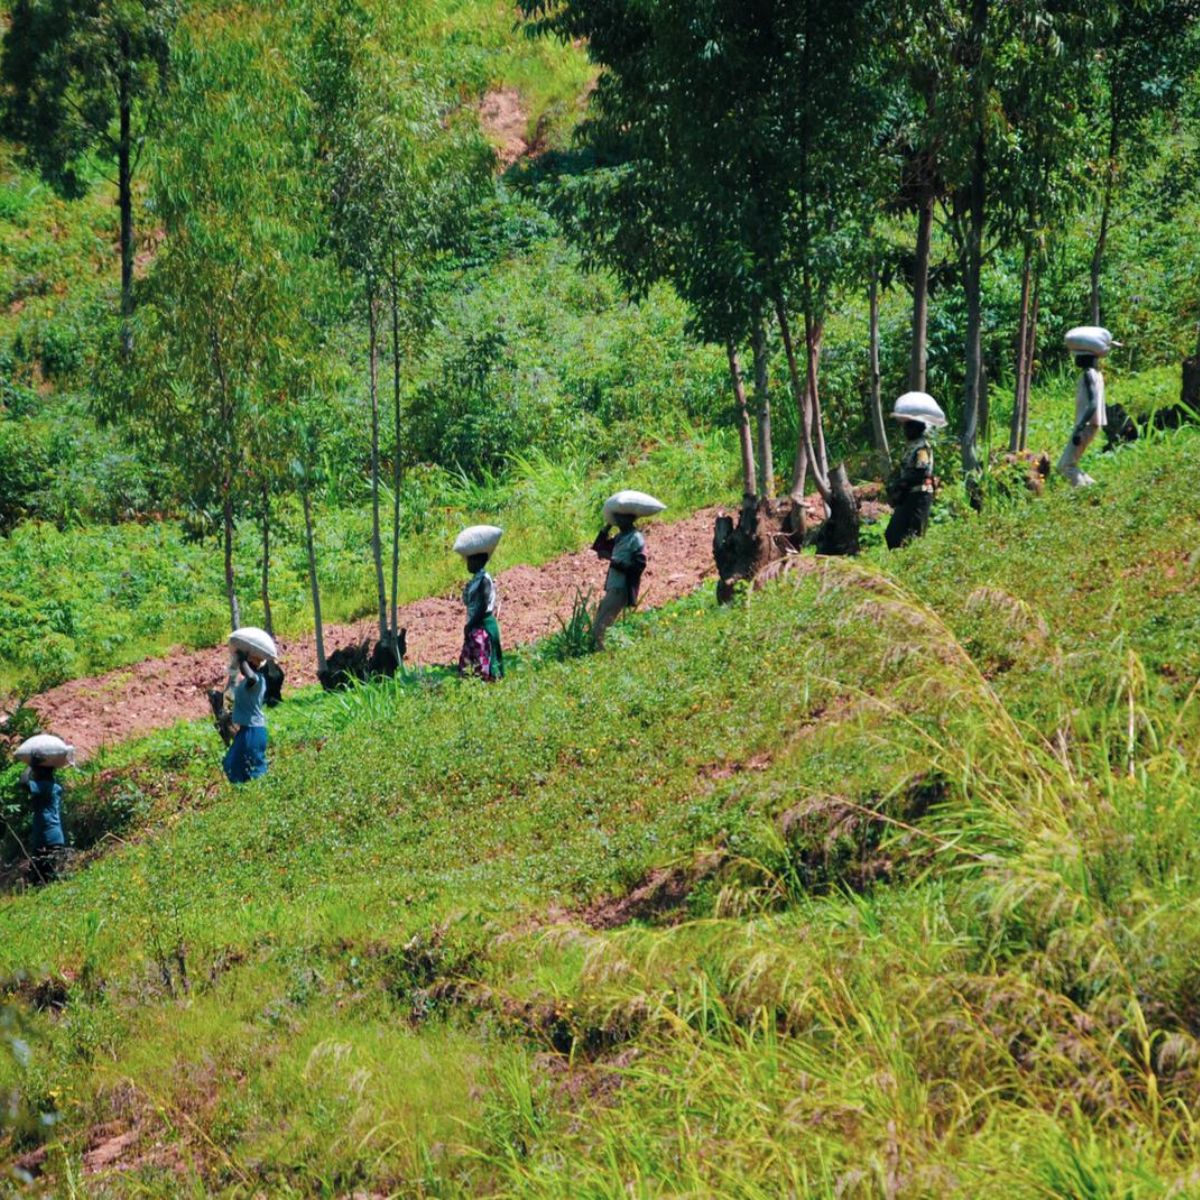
(49, 841)
(246, 758)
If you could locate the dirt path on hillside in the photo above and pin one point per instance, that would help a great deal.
(158, 692)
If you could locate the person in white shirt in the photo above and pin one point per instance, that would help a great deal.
(1090, 418)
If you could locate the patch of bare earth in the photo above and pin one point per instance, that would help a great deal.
(506, 123)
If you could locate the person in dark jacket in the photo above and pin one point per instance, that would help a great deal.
(910, 490)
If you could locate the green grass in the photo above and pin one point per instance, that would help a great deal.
(936, 815)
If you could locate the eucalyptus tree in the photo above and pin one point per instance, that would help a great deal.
(397, 169)
(228, 304)
(82, 77)
(955, 57)
(926, 123)
(1146, 58)
(1040, 174)
(728, 150)
(643, 208)
(829, 159)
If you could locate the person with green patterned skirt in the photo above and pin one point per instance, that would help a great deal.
(482, 653)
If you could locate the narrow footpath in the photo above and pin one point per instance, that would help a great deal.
(156, 693)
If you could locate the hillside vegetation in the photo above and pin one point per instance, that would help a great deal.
(880, 882)
(535, 374)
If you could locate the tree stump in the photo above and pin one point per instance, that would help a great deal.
(839, 533)
(362, 662)
(741, 550)
(1189, 394)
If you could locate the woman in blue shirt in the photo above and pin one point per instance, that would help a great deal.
(49, 846)
(246, 757)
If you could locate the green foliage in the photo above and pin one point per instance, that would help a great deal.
(70, 67)
(575, 636)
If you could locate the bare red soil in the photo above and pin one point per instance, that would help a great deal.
(504, 119)
(534, 600)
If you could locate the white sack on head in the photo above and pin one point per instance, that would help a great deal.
(477, 539)
(632, 504)
(1090, 339)
(919, 406)
(51, 750)
(253, 640)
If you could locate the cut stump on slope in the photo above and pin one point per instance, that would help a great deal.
(839, 532)
(763, 533)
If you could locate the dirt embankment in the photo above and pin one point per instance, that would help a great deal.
(534, 600)
(505, 120)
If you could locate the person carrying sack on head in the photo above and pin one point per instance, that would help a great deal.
(48, 849)
(1089, 344)
(246, 758)
(625, 554)
(910, 489)
(482, 654)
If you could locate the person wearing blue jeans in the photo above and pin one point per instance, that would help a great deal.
(246, 757)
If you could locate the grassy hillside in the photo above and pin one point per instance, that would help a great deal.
(881, 882)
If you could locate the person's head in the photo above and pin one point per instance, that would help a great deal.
(913, 429)
(476, 562)
(1084, 361)
(40, 769)
(257, 661)
(624, 521)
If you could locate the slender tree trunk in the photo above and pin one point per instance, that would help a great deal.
(977, 196)
(235, 612)
(814, 336)
(376, 542)
(745, 437)
(762, 398)
(1014, 435)
(918, 356)
(814, 328)
(804, 396)
(227, 475)
(1030, 351)
(810, 449)
(310, 548)
(811, 426)
(807, 449)
(972, 409)
(125, 201)
(395, 617)
(803, 404)
(268, 624)
(1110, 179)
(878, 428)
